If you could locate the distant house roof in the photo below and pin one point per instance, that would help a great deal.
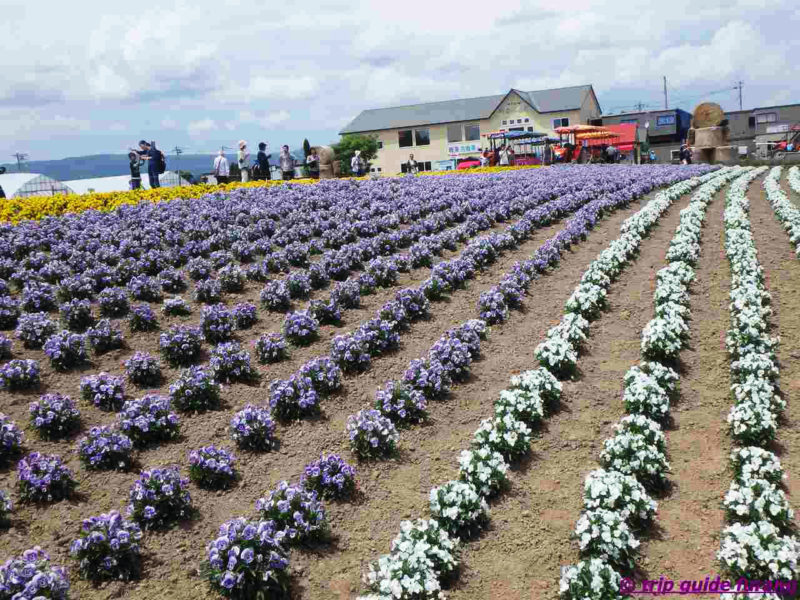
(120, 183)
(466, 109)
(31, 184)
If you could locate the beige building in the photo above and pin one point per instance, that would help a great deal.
(438, 131)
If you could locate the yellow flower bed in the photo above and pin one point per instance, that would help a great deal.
(37, 207)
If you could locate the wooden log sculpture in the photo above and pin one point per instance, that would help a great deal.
(327, 162)
(707, 114)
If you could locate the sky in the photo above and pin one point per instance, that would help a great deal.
(93, 77)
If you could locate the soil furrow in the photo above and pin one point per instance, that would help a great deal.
(174, 555)
(521, 555)
(782, 275)
(689, 516)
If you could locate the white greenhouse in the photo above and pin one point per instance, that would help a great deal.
(121, 183)
(22, 185)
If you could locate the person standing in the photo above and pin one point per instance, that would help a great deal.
(412, 168)
(262, 158)
(152, 155)
(242, 158)
(484, 158)
(287, 163)
(313, 163)
(136, 171)
(504, 156)
(221, 168)
(357, 164)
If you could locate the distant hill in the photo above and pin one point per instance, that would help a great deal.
(106, 165)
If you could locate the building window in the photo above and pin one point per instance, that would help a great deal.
(472, 133)
(563, 122)
(751, 122)
(527, 120)
(665, 120)
(380, 145)
(516, 129)
(422, 137)
(424, 165)
(454, 133)
(530, 128)
(766, 118)
(404, 138)
(379, 169)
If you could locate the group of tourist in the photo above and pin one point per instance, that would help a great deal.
(260, 168)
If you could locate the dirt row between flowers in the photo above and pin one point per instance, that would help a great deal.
(532, 525)
(171, 558)
(692, 518)
(782, 275)
(430, 452)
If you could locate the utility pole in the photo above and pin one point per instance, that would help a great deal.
(640, 106)
(666, 105)
(178, 151)
(738, 86)
(20, 157)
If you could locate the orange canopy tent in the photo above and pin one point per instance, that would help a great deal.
(625, 138)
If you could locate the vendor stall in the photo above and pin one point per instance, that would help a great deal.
(573, 140)
(528, 146)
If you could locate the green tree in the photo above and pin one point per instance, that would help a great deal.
(306, 148)
(347, 146)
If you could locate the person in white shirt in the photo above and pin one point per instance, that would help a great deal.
(504, 158)
(357, 164)
(221, 168)
(411, 166)
(243, 157)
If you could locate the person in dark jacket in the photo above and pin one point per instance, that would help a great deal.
(262, 158)
(152, 156)
(136, 171)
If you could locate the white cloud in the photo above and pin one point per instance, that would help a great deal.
(30, 124)
(276, 118)
(202, 127)
(305, 71)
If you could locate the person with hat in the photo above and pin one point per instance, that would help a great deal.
(243, 158)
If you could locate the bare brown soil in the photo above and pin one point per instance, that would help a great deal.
(362, 529)
(530, 538)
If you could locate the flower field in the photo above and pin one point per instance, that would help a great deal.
(515, 384)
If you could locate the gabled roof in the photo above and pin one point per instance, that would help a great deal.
(466, 109)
